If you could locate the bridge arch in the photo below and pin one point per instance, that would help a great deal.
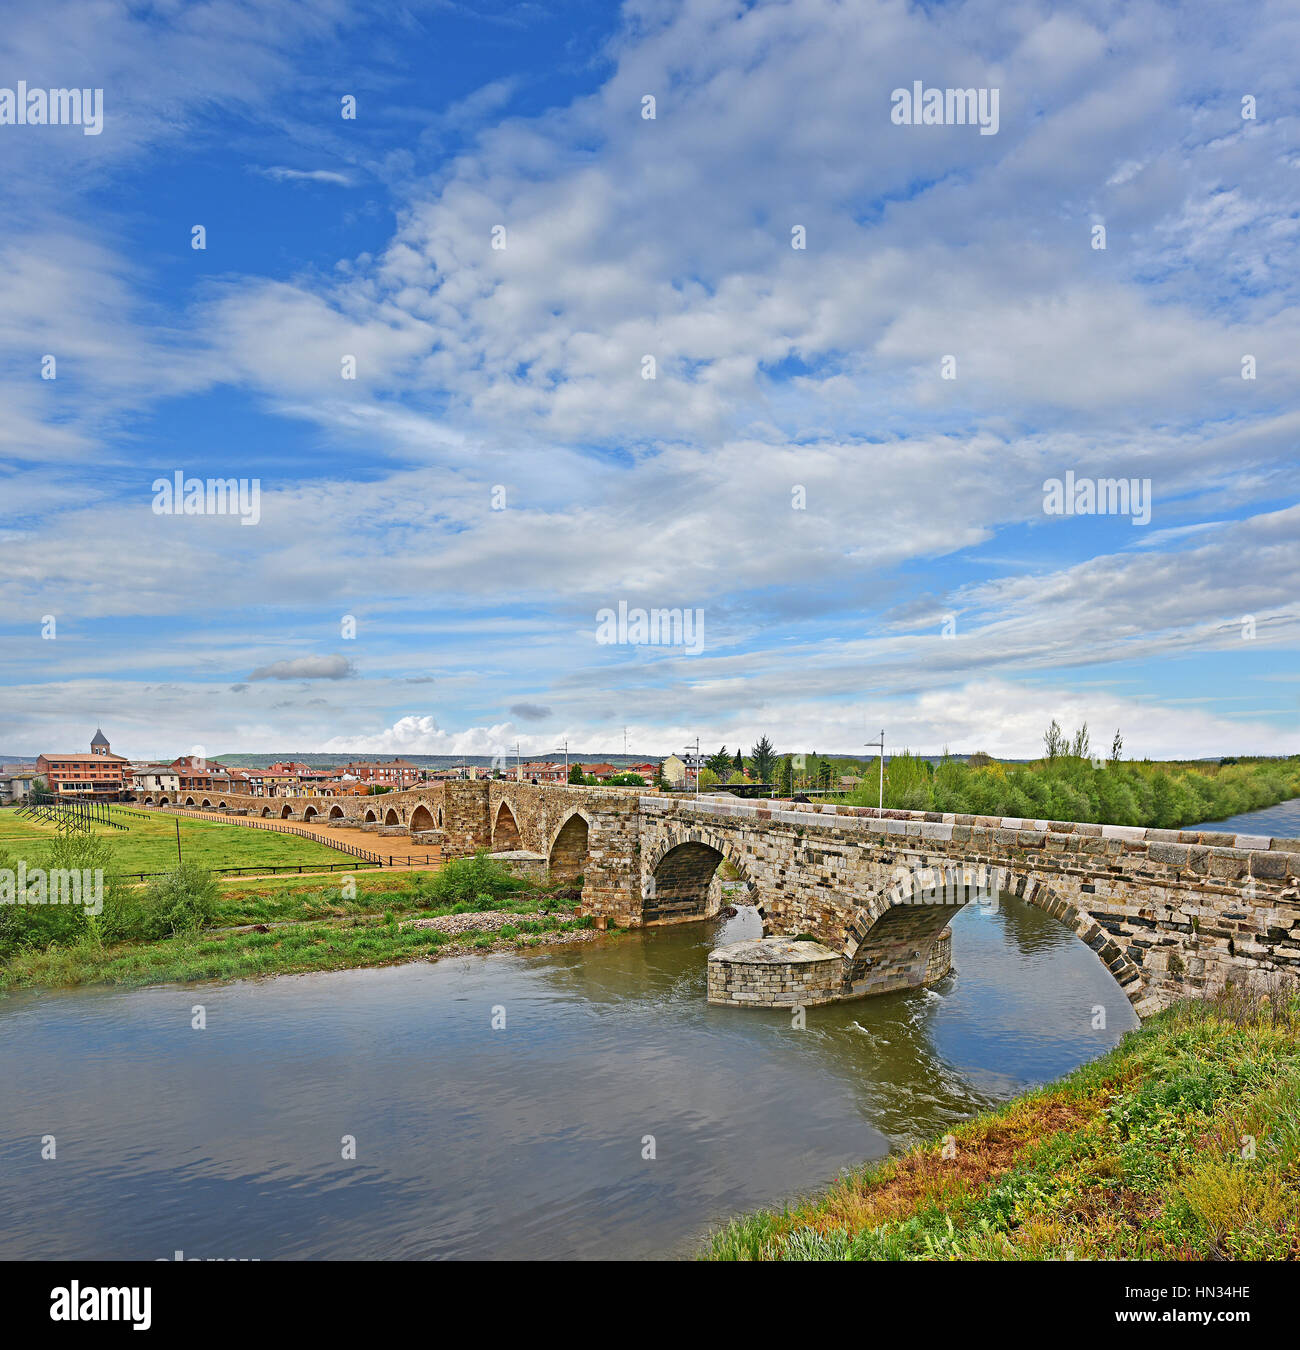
(207, 801)
(310, 813)
(336, 813)
(223, 806)
(566, 859)
(189, 801)
(505, 830)
(372, 816)
(679, 873)
(148, 801)
(421, 818)
(391, 817)
(162, 801)
(892, 927)
(286, 811)
(266, 811)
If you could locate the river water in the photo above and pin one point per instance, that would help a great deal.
(614, 1114)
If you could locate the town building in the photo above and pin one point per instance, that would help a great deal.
(100, 774)
(394, 773)
(682, 770)
(16, 785)
(155, 779)
(543, 771)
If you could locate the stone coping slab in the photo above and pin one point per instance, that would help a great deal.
(937, 825)
(775, 951)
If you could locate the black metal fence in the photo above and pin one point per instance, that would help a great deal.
(69, 815)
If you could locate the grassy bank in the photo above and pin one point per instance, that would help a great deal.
(365, 940)
(1182, 1144)
(187, 927)
(1069, 787)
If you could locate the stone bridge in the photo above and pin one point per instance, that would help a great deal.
(1170, 913)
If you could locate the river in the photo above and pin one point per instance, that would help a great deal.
(614, 1114)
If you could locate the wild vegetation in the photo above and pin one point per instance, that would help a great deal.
(186, 926)
(1182, 1144)
(1072, 787)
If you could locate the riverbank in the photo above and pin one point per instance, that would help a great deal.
(198, 930)
(292, 948)
(1183, 1143)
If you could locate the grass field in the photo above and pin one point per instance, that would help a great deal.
(1182, 1144)
(148, 844)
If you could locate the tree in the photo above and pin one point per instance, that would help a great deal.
(719, 764)
(739, 762)
(785, 776)
(575, 775)
(979, 760)
(1082, 747)
(1116, 747)
(1054, 742)
(763, 759)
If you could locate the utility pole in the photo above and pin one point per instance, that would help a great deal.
(697, 764)
(566, 759)
(178, 840)
(881, 744)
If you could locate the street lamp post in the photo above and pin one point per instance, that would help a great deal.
(881, 744)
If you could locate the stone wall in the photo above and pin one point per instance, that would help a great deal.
(773, 973)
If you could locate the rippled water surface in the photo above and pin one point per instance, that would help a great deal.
(526, 1141)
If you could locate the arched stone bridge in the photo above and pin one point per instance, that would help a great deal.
(1170, 913)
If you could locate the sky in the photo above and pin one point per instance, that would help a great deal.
(445, 247)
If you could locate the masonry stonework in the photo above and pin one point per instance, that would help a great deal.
(1171, 913)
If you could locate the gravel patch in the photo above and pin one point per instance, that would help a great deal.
(482, 921)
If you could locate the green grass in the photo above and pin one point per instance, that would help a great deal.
(277, 899)
(363, 940)
(1182, 1144)
(148, 844)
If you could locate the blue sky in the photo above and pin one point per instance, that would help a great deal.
(865, 539)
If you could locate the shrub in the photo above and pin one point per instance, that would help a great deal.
(40, 927)
(479, 878)
(183, 901)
